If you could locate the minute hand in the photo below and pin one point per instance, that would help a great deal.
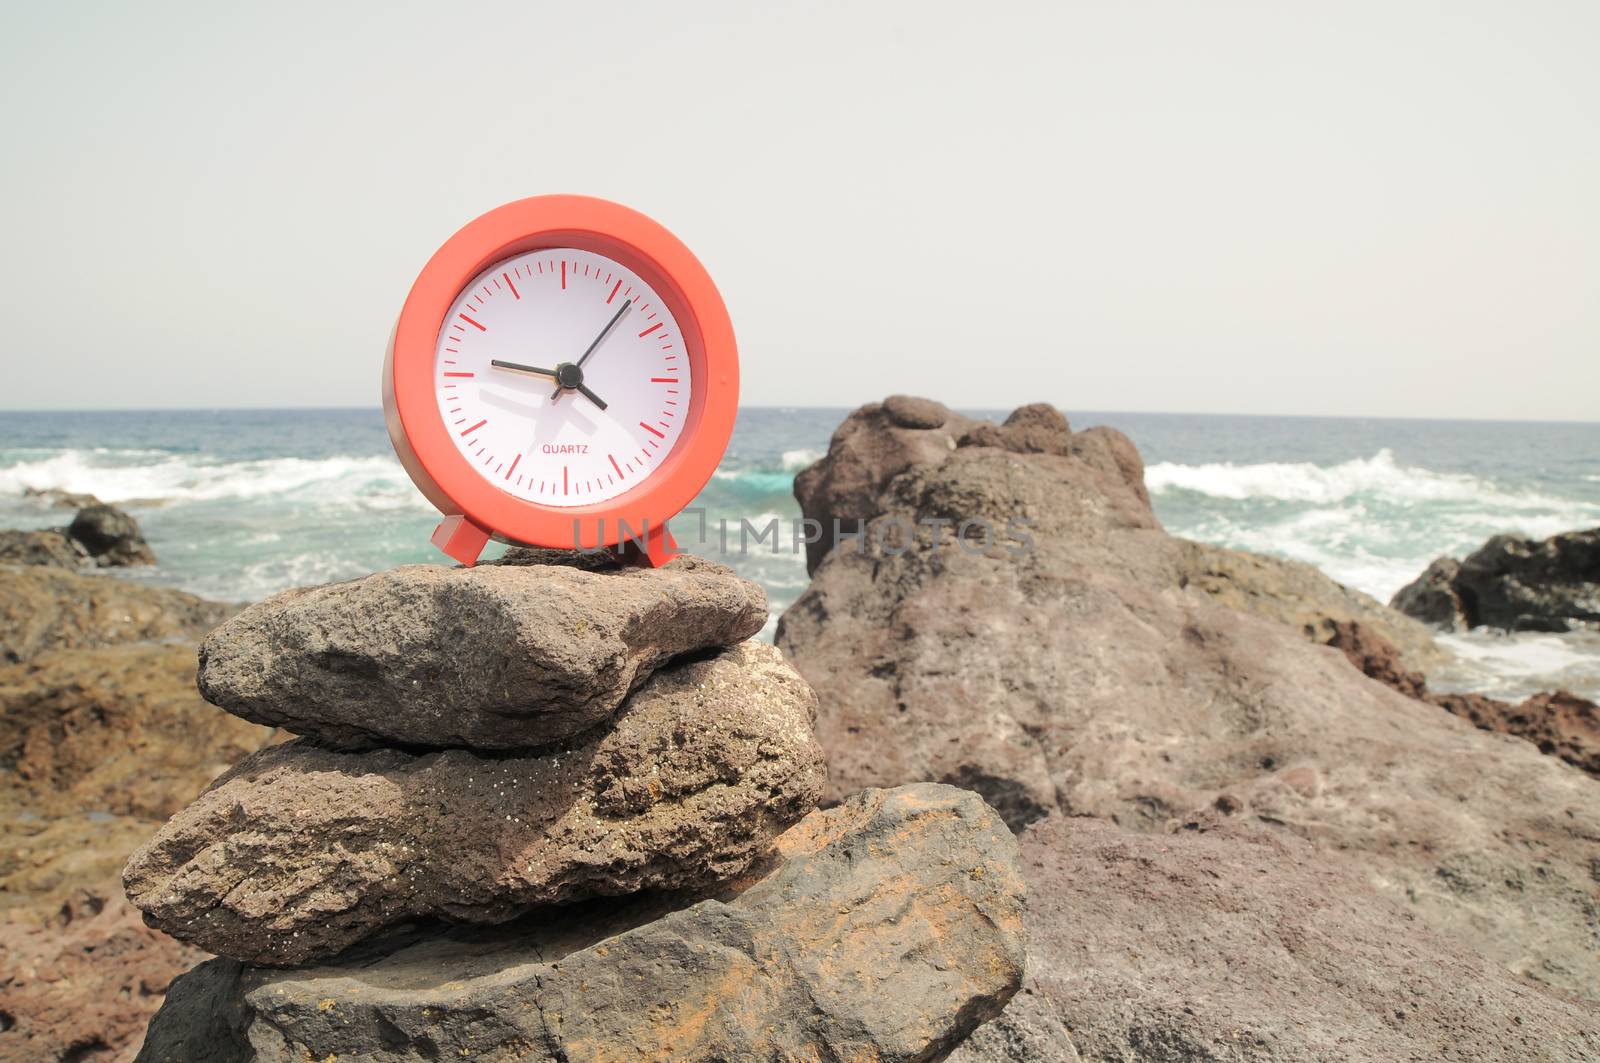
(598, 340)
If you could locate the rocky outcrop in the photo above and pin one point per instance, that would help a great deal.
(1301, 596)
(1078, 674)
(1559, 723)
(45, 546)
(100, 534)
(110, 536)
(1513, 583)
(47, 608)
(300, 851)
(83, 984)
(1228, 943)
(493, 657)
(883, 929)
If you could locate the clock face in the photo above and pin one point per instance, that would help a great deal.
(562, 377)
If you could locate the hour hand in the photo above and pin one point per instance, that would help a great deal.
(583, 389)
(519, 367)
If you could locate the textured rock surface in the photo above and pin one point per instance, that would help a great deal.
(1297, 594)
(48, 608)
(873, 445)
(82, 985)
(1559, 723)
(1236, 944)
(111, 536)
(118, 730)
(1513, 583)
(46, 546)
(1084, 677)
(883, 929)
(494, 657)
(301, 851)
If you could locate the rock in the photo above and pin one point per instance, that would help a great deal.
(1036, 429)
(84, 984)
(300, 851)
(118, 730)
(60, 499)
(46, 608)
(1230, 943)
(46, 546)
(1560, 724)
(1432, 598)
(494, 657)
(1300, 595)
(1377, 658)
(874, 443)
(1513, 583)
(883, 929)
(110, 536)
(1081, 675)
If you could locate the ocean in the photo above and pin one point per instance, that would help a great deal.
(239, 504)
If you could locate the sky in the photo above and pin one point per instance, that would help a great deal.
(1364, 209)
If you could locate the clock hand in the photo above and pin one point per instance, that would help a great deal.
(519, 367)
(598, 340)
(583, 389)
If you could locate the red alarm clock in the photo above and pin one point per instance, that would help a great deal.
(563, 374)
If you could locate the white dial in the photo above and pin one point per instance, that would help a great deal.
(562, 377)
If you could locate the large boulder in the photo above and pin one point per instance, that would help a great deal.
(874, 444)
(884, 929)
(49, 608)
(110, 536)
(1075, 672)
(493, 657)
(300, 850)
(1230, 943)
(1513, 583)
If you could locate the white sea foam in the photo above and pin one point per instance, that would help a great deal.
(1379, 476)
(1513, 666)
(121, 476)
(794, 460)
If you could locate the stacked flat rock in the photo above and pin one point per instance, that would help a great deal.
(505, 765)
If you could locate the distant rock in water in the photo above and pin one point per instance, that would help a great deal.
(1230, 942)
(110, 536)
(100, 534)
(301, 851)
(1512, 583)
(883, 929)
(59, 498)
(1103, 668)
(502, 656)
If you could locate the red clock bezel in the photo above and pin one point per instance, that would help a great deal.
(417, 428)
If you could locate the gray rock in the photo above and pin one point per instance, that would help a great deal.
(300, 851)
(1513, 583)
(1432, 598)
(1085, 676)
(884, 929)
(495, 657)
(1231, 943)
(110, 536)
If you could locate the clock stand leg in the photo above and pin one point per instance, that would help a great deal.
(659, 548)
(461, 539)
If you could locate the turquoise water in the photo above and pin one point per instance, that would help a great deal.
(239, 504)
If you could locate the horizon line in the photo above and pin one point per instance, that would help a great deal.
(377, 408)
